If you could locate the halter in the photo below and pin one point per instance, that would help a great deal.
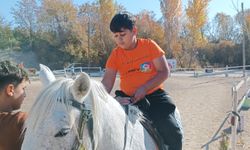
(85, 118)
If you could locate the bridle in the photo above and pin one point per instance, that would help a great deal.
(84, 119)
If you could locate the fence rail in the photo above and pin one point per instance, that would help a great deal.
(202, 72)
(234, 115)
(92, 71)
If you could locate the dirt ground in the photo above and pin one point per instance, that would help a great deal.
(203, 104)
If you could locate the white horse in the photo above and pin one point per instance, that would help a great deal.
(80, 114)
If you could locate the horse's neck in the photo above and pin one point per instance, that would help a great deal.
(106, 112)
(116, 130)
(112, 128)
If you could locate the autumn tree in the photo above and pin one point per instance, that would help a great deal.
(58, 17)
(57, 22)
(246, 33)
(172, 12)
(224, 26)
(148, 27)
(88, 21)
(221, 53)
(247, 22)
(196, 19)
(103, 35)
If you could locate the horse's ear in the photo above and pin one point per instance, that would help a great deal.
(46, 75)
(81, 86)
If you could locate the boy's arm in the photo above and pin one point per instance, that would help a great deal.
(163, 71)
(109, 79)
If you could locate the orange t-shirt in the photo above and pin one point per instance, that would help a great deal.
(135, 66)
(10, 130)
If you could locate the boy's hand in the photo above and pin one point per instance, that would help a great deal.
(139, 94)
(123, 100)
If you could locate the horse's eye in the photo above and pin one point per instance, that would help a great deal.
(62, 132)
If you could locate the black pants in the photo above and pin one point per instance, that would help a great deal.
(160, 109)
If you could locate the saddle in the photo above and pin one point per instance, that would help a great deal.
(146, 123)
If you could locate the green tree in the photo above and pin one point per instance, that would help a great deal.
(25, 17)
(7, 39)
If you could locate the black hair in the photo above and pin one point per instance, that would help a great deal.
(10, 73)
(122, 21)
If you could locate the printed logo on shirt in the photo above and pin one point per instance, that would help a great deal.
(146, 67)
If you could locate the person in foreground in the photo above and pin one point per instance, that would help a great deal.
(143, 68)
(12, 93)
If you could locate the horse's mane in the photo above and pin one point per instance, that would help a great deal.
(46, 101)
(99, 96)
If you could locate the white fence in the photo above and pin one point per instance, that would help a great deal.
(69, 72)
(241, 94)
(202, 72)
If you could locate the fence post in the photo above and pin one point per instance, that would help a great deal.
(246, 80)
(195, 74)
(226, 74)
(234, 120)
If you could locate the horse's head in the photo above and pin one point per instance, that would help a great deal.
(53, 115)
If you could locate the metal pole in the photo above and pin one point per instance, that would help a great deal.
(234, 121)
(243, 42)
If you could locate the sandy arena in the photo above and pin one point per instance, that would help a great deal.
(202, 102)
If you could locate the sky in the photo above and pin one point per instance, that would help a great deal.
(135, 6)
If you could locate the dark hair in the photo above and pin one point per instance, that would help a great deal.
(122, 20)
(11, 74)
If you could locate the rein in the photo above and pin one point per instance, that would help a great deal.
(85, 118)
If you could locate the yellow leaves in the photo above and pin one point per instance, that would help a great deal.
(247, 18)
(107, 10)
(177, 49)
(197, 13)
(224, 26)
(171, 8)
(197, 17)
(222, 20)
(225, 43)
(64, 10)
(148, 27)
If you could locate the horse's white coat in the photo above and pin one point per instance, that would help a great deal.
(48, 116)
